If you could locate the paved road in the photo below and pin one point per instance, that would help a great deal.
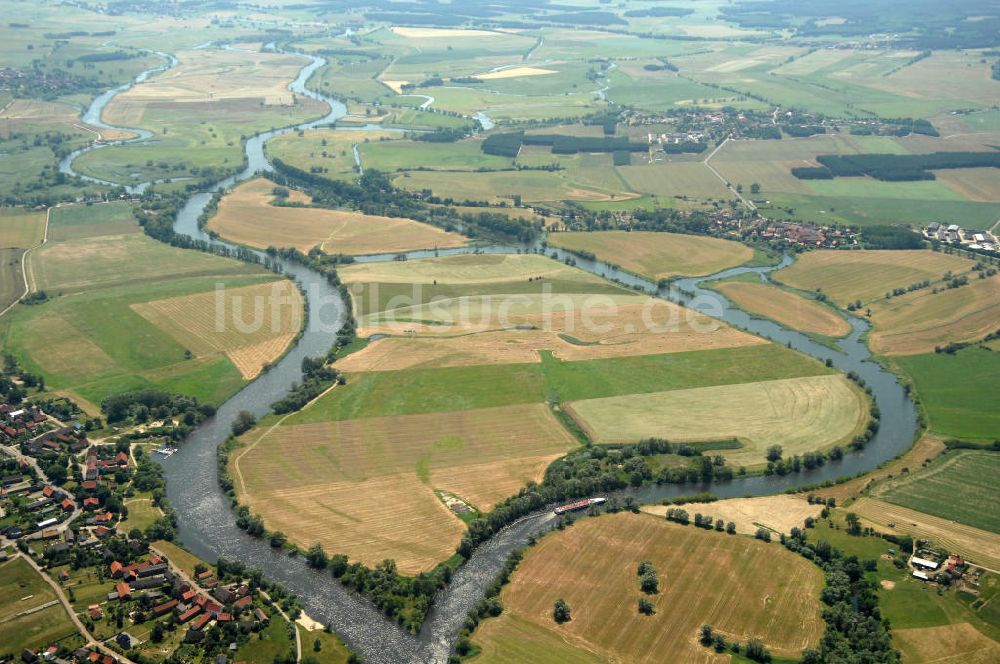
(77, 510)
(91, 641)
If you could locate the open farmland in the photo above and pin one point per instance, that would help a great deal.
(846, 276)
(328, 151)
(958, 391)
(20, 230)
(980, 546)
(800, 414)
(316, 482)
(247, 215)
(24, 589)
(920, 321)
(200, 111)
(144, 315)
(787, 308)
(193, 320)
(958, 486)
(946, 644)
(592, 566)
(497, 186)
(657, 255)
(778, 513)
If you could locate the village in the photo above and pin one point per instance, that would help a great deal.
(87, 522)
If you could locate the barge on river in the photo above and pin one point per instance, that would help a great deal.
(579, 505)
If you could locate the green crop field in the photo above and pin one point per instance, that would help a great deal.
(958, 391)
(24, 589)
(379, 394)
(91, 338)
(78, 222)
(959, 486)
(409, 155)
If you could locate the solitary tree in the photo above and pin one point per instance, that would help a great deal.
(646, 607)
(706, 634)
(561, 611)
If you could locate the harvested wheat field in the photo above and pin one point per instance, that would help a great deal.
(515, 72)
(439, 33)
(740, 586)
(976, 545)
(846, 276)
(637, 326)
(252, 325)
(208, 75)
(946, 644)
(778, 513)
(657, 255)
(465, 269)
(787, 308)
(919, 321)
(318, 482)
(247, 215)
(800, 414)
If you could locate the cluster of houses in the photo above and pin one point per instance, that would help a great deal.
(18, 422)
(196, 606)
(72, 439)
(970, 239)
(42, 506)
(807, 235)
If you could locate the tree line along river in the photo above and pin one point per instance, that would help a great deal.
(206, 522)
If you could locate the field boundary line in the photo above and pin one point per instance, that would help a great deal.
(25, 264)
(245, 450)
(749, 205)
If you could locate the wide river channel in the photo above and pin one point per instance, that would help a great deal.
(207, 524)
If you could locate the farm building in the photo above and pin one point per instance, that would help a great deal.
(923, 562)
(920, 575)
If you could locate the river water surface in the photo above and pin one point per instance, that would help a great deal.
(207, 523)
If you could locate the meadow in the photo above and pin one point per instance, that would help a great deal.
(200, 111)
(247, 215)
(801, 414)
(657, 255)
(592, 566)
(504, 186)
(24, 589)
(958, 391)
(328, 151)
(786, 307)
(20, 230)
(846, 276)
(946, 626)
(958, 486)
(144, 314)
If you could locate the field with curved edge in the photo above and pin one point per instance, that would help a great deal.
(846, 276)
(366, 487)
(657, 255)
(247, 215)
(787, 308)
(779, 513)
(705, 577)
(922, 320)
(800, 414)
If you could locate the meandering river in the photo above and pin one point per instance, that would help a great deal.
(207, 523)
